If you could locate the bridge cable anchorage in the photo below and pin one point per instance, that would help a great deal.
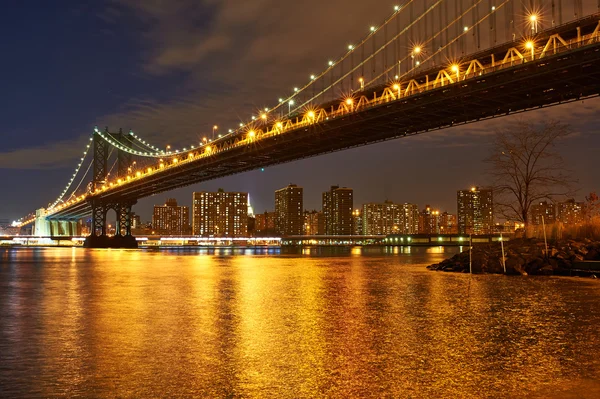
(66, 189)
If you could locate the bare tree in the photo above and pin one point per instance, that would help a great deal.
(526, 168)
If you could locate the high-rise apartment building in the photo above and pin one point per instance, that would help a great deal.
(381, 219)
(312, 223)
(545, 210)
(289, 210)
(171, 219)
(448, 223)
(570, 212)
(475, 211)
(429, 221)
(390, 218)
(337, 210)
(409, 219)
(220, 214)
(265, 223)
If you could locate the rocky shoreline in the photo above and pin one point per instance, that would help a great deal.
(527, 257)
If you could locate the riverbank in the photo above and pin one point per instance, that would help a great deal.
(527, 257)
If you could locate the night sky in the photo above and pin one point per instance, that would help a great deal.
(170, 70)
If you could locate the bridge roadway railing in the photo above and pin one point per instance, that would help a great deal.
(553, 42)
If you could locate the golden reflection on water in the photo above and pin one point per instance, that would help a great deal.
(346, 323)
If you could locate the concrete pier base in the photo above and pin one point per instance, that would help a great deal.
(111, 242)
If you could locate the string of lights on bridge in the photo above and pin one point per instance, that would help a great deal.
(350, 103)
(265, 114)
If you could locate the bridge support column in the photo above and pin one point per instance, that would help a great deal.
(123, 237)
(64, 227)
(54, 231)
(74, 228)
(41, 225)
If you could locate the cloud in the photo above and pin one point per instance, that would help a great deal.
(48, 156)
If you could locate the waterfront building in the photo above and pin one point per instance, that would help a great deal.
(312, 223)
(289, 210)
(381, 219)
(337, 210)
(171, 219)
(409, 219)
(570, 212)
(265, 224)
(543, 209)
(220, 214)
(447, 223)
(429, 221)
(475, 211)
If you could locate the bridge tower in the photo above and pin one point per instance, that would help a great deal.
(100, 206)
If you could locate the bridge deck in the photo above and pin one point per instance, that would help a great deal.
(555, 79)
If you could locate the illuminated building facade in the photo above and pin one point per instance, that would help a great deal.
(447, 223)
(475, 211)
(289, 210)
(313, 223)
(570, 212)
(337, 210)
(545, 210)
(220, 214)
(265, 223)
(429, 221)
(171, 219)
(381, 219)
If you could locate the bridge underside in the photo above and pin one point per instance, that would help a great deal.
(549, 81)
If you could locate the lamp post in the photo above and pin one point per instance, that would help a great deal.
(290, 103)
(214, 129)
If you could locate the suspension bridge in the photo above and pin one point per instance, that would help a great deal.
(432, 64)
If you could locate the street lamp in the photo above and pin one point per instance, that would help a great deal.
(290, 103)
(533, 19)
(214, 129)
(416, 51)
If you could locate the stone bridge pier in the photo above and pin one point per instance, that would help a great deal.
(98, 237)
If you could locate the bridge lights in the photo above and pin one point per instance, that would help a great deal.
(396, 87)
(373, 29)
(263, 117)
(251, 134)
(530, 46)
(456, 70)
(312, 77)
(533, 19)
(330, 63)
(350, 47)
(362, 82)
(311, 114)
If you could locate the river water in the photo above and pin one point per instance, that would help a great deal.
(319, 323)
